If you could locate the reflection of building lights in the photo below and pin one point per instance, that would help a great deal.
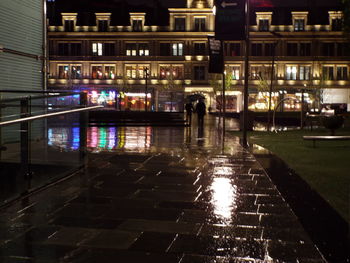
(223, 198)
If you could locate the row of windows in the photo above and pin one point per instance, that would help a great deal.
(299, 25)
(200, 48)
(137, 25)
(137, 71)
(200, 25)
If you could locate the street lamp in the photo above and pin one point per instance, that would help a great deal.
(146, 78)
(272, 78)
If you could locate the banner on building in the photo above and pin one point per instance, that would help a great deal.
(216, 55)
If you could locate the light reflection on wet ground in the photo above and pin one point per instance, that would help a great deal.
(157, 194)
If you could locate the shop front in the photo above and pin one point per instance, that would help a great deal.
(203, 92)
(287, 100)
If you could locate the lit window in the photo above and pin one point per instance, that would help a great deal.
(97, 49)
(328, 73)
(342, 73)
(109, 72)
(63, 72)
(291, 73)
(96, 72)
(177, 49)
(75, 71)
(304, 72)
(235, 73)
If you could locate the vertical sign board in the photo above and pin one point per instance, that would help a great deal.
(216, 56)
(230, 19)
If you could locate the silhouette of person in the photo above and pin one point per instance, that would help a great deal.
(189, 110)
(201, 111)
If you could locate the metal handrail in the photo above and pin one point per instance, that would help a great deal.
(52, 95)
(5, 123)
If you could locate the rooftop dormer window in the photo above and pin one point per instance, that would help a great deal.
(69, 25)
(137, 25)
(299, 25)
(264, 25)
(337, 24)
(180, 24)
(102, 25)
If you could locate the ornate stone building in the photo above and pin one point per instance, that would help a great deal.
(118, 59)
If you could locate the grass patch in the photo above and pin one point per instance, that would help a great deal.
(326, 168)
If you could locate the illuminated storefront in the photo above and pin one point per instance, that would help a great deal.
(260, 101)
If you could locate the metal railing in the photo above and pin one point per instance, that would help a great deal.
(27, 161)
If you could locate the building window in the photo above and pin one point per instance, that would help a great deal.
(133, 49)
(199, 49)
(299, 25)
(69, 25)
(164, 49)
(235, 72)
(304, 72)
(260, 72)
(180, 24)
(232, 49)
(263, 25)
(199, 25)
(257, 49)
(63, 71)
(96, 72)
(291, 73)
(337, 24)
(136, 71)
(342, 73)
(109, 72)
(76, 71)
(269, 49)
(137, 25)
(305, 49)
(199, 73)
(69, 49)
(103, 25)
(328, 49)
(328, 73)
(173, 71)
(143, 49)
(63, 49)
(178, 49)
(97, 49)
(292, 49)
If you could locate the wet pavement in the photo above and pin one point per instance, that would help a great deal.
(177, 194)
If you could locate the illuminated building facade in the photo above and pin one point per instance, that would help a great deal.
(118, 63)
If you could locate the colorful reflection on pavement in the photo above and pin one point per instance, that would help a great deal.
(100, 139)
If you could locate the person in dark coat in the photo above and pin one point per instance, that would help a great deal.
(189, 109)
(201, 111)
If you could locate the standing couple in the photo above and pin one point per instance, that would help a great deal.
(200, 110)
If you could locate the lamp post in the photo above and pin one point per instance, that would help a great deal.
(272, 78)
(246, 76)
(146, 78)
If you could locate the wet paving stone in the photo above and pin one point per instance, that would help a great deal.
(232, 231)
(69, 236)
(144, 213)
(83, 222)
(167, 195)
(184, 205)
(128, 256)
(160, 226)
(116, 239)
(35, 252)
(83, 210)
(153, 242)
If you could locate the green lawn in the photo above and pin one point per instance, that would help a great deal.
(326, 168)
